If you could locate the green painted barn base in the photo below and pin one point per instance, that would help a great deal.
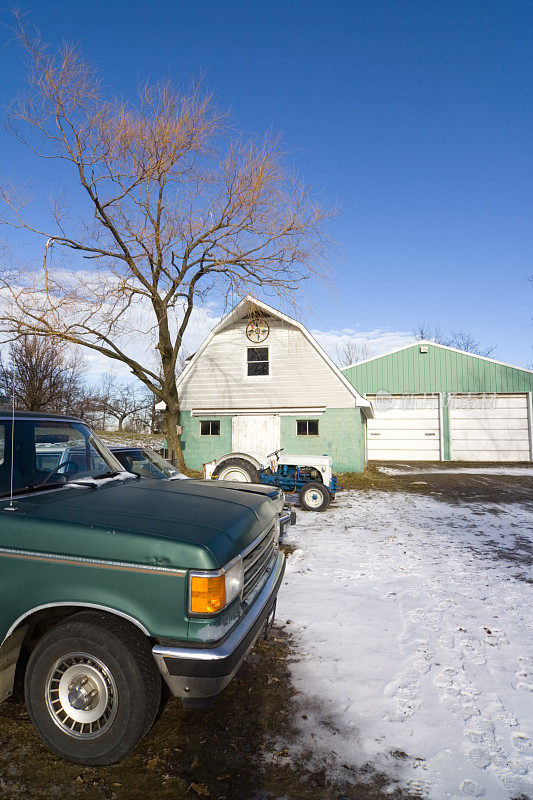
(341, 436)
(197, 449)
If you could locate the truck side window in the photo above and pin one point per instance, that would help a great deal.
(2, 442)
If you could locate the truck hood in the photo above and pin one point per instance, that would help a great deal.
(187, 524)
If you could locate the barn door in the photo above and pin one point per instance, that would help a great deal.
(256, 434)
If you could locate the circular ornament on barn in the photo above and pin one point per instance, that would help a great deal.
(257, 330)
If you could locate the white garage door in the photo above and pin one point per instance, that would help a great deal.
(491, 427)
(256, 433)
(405, 427)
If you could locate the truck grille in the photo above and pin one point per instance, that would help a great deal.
(257, 558)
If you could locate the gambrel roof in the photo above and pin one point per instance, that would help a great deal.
(247, 307)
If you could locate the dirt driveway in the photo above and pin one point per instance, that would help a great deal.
(242, 749)
(451, 482)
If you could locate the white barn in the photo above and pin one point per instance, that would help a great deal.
(260, 381)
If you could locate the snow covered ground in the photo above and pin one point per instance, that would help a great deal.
(412, 621)
(514, 471)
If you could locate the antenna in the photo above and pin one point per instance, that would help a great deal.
(11, 507)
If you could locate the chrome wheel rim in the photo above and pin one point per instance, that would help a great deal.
(81, 695)
(313, 498)
(234, 474)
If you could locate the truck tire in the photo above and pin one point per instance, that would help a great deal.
(314, 497)
(92, 688)
(237, 469)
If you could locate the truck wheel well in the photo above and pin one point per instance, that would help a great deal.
(40, 620)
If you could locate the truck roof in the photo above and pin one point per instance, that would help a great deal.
(6, 414)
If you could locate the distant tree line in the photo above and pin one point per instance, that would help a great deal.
(461, 340)
(352, 351)
(49, 377)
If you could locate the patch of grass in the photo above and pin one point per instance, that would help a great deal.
(193, 473)
(371, 478)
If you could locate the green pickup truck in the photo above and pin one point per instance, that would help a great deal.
(111, 583)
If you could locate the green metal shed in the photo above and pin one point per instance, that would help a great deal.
(434, 402)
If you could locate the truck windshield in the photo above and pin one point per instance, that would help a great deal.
(48, 453)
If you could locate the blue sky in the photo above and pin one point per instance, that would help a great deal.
(415, 117)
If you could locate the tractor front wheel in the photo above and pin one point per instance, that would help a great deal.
(314, 497)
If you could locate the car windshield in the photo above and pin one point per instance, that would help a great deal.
(160, 463)
(49, 453)
(146, 462)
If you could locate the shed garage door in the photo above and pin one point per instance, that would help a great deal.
(405, 427)
(491, 427)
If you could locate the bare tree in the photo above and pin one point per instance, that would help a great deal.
(46, 377)
(178, 208)
(351, 352)
(121, 401)
(461, 340)
(429, 333)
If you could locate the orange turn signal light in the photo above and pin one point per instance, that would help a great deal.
(208, 594)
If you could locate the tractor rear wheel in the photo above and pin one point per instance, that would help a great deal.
(314, 497)
(237, 469)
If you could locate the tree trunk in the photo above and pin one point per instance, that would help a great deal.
(171, 421)
(152, 414)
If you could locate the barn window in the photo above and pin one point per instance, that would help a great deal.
(258, 361)
(307, 427)
(210, 427)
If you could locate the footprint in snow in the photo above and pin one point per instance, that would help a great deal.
(495, 638)
(518, 767)
(479, 758)
(522, 742)
(511, 782)
(481, 731)
(525, 680)
(420, 787)
(472, 788)
(496, 709)
(445, 677)
(475, 737)
(524, 674)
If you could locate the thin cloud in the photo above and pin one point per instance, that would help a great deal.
(137, 337)
(378, 340)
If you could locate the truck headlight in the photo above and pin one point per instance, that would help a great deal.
(211, 592)
(234, 581)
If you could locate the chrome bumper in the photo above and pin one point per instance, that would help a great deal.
(286, 518)
(202, 672)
